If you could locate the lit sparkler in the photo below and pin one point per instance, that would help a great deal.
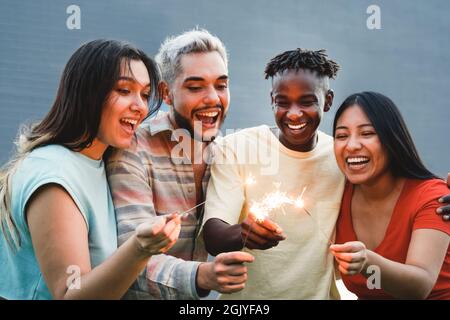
(277, 200)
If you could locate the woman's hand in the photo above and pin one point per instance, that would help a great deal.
(351, 257)
(158, 236)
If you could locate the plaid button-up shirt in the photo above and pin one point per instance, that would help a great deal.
(146, 181)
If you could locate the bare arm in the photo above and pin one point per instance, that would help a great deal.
(413, 280)
(60, 240)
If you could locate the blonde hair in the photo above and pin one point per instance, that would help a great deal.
(193, 41)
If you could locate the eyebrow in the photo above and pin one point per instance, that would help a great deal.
(130, 79)
(194, 78)
(360, 126)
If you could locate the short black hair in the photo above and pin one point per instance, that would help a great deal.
(316, 61)
(404, 160)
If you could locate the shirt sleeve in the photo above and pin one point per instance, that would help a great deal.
(225, 194)
(165, 277)
(426, 217)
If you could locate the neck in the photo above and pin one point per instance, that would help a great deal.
(95, 151)
(308, 146)
(381, 188)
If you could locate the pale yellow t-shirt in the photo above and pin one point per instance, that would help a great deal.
(300, 267)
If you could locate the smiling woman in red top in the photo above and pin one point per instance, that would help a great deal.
(387, 217)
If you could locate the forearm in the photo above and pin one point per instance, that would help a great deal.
(220, 237)
(112, 278)
(400, 280)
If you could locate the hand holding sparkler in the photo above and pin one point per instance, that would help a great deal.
(260, 233)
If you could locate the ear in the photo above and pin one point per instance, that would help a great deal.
(329, 96)
(165, 92)
(271, 99)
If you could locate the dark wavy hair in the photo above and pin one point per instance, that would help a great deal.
(74, 119)
(404, 160)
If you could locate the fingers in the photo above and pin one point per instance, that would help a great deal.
(256, 246)
(263, 232)
(232, 288)
(160, 235)
(271, 226)
(350, 257)
(230, 272)
(267, 224)
(445, 210)
(253, 241)
(168, 242)
(445, 199)
(349, 270)
(235, 257)
(151, 228)
(352, 246)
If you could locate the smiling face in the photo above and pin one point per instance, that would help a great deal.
(126, 106)
(299, 100)
(199, 95)
(358, 150)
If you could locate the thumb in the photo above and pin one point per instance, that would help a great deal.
(151, 227)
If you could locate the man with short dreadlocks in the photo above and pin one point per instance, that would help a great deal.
(265, 177)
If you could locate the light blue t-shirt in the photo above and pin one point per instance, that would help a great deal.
(85, 181)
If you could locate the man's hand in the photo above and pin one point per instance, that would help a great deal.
(226, 274)
(445, 210)
(260, 235)
(350, 256)
(158, 236)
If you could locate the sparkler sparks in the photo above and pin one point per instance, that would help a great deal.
(277, 200)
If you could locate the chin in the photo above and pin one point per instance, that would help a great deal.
(356, 179)
(123, 144)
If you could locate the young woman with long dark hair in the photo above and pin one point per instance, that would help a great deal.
(57, 217)
(390, 241)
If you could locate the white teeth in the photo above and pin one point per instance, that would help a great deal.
(132, 121)
(357, 160)
(296, 127)
(208, 114)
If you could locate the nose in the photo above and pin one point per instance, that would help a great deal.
(353, 143)
(139, 104)
(294, 112)
(211, 97)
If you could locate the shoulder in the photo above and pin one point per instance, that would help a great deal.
(423, 196)
(252, 134)
(426, 191)
(46, 161)
(242, 142)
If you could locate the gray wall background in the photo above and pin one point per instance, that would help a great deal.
(408, 59)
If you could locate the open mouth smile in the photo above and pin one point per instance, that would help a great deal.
(207, 118)
(357, 162)
(297, 126)
(129, 124)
